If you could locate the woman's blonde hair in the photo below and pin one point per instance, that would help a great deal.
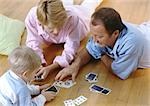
(23, 58)
(51, 12)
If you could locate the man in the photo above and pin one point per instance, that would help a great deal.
(121, 46)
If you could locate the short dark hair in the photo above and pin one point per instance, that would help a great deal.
(109, 17)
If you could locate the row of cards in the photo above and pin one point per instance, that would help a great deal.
(93, 78)
(90, 77)
(78, 101)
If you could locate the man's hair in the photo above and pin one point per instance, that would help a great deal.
(23, 58)
(109, 17)
(51, 12)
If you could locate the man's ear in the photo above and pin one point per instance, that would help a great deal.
(115, 33)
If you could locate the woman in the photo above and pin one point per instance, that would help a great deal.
(51, 22)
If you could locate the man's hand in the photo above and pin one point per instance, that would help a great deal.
(69, 71)
(81, 59)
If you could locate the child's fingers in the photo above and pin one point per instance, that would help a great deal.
(46, 86)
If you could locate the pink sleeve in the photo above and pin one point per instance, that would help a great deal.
(77, 31)
(33, 39)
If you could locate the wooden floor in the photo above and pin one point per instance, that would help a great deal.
(135, 91)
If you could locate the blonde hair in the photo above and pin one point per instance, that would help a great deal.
(51, 12)
(23, 58)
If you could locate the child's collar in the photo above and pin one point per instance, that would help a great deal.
(17, 76)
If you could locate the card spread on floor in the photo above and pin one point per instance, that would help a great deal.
(81, 99)
(78, 101)
(91, 77)
(68, 83)
(69, 102)
(53, 89)
(58, 83)
(65, 84)
(99, 89)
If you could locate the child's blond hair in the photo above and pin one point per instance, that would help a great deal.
(51, 12)
(23, 58)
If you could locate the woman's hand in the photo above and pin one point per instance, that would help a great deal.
(43, 72)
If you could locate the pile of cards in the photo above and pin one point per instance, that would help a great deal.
(99, 89)
(78, 101)
(91, 77)
(64, 84)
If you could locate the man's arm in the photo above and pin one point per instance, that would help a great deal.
(107, 61)
(82, 58)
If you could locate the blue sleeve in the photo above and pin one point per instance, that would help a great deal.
(94, 49)
(127, 61)
(25, 98)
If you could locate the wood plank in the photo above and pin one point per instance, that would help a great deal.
(131, 92)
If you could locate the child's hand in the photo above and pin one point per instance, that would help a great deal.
(49, 95)
(44, 86)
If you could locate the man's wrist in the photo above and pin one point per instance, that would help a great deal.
(102, 54)
(103, 57)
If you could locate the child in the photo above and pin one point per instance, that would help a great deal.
(51, 22)
(14, 90)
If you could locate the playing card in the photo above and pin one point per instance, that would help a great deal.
(93, 81)
(106, 91)
(53, 89)
(65, 84)
(69, 102)
(68, 84)
(99, 89)
(95, 88)
(58, 83)
(38, 78)
(81, 99)
(91, 77)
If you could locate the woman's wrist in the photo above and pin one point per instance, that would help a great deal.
(53, 66)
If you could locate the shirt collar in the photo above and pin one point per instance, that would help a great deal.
(16, 76)
(123, 32)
